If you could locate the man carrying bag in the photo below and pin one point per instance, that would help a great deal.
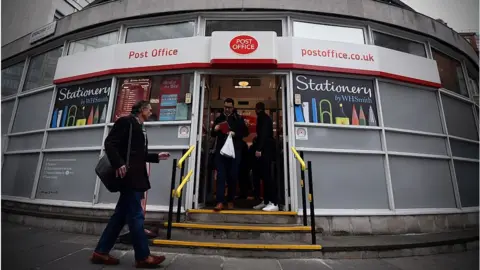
(126, 149)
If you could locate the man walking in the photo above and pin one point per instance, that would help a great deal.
(264, 153)
(229, 122)
(134, 182)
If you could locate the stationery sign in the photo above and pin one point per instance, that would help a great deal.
(331, 100)
(81, 105)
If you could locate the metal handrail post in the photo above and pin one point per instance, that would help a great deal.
(170, 206)
(179, 203)
(312, 203)
(304, 196)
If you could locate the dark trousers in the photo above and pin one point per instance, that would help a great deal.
(227, 173)
(263, 171)
(128, 210)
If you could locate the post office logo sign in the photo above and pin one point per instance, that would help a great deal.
(244, 44)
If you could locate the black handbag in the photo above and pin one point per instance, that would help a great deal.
(106, 172)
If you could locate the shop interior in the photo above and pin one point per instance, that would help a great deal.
(246, 91)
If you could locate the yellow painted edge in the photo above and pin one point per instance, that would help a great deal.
(241, 212)
(239, 227)
(235, 245)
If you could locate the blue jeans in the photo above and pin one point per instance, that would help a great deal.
(129, 210)
(227, 172)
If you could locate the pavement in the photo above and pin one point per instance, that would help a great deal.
(25, 247)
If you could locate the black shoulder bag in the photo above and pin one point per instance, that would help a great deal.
(106, 172)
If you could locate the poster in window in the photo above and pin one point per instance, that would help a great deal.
(80, 105)
(131, 91)
(170, 109)
(331, 100)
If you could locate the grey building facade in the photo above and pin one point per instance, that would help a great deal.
(417, 161)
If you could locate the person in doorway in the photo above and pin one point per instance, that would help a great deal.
(264, 149)
(228, 168)
(135, 182)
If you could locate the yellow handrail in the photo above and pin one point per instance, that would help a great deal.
(185, 156)
(300, 160)
(178, 191)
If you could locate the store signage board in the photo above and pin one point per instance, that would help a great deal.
(243, 47)
(43, 32)
(335, 100)
(254, 48)
(81, 104)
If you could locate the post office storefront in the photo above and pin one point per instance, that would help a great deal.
(382, 133)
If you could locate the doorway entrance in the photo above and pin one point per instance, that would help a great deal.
(246, 91)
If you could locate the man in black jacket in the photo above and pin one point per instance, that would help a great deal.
(134, 182)
(264, 153)
(228, 168)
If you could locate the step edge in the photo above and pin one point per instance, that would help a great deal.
(242, 212)
(161, 242)
(199, 226)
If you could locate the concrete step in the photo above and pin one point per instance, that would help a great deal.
(268, 232)
(229, 247)
(241, 216)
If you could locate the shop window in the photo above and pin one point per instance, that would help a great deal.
(87, 137)
(167, 95)
(328, 32)
(243, 25)
(459, 117)
(18, 174)
(474, 85)
(332, 100)
(41, 69)
(93, 43)
(80, 105)
(32, 112)
(64, 176)
(160, 32)
(467, 178)
(451, 73)
(25, 142)
(7, 110)
(11, 79)
(421, 183)
(410, 108)
(464, 149)
(399, 44)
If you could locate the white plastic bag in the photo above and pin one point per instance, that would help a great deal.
(228, 150)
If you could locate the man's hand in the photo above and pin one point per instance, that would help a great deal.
(217, 128)
(163, 155)
(258, 154)
(121, 172)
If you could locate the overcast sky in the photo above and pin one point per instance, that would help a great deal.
(461, 15)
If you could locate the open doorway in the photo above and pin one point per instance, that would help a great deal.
(246, 91)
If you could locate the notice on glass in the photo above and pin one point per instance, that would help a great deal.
(55, 171)
(131, 91)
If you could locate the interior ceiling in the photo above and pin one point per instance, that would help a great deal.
(223, 87)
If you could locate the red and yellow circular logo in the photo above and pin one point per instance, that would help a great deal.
(244, 44)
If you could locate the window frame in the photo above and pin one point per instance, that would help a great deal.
(235, 16)
(327, 23)
(69, 42)
(23, 76)
(165, 22)
(425, 47)
(23, 90)
(462, 65)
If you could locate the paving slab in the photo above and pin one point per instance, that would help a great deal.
(251, 264)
